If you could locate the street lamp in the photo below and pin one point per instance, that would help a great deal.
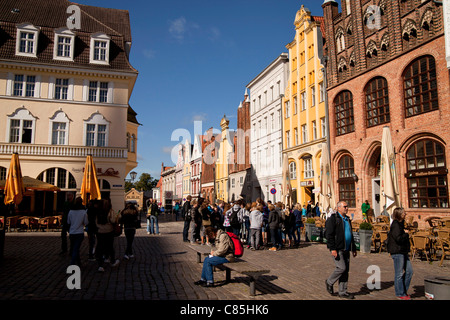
(133, 175)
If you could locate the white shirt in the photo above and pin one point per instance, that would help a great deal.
(77, 219)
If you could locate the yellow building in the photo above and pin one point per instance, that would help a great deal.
(64, 94)
(221, 168)
(304, 125)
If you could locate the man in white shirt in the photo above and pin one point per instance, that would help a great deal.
(77, 220)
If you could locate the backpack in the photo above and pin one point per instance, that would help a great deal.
(234, 219)
(237, 244)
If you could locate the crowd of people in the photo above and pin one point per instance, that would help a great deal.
(99, 221)
(259, 224)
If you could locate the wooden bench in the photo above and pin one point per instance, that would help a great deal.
(246, 268)
(239, 265)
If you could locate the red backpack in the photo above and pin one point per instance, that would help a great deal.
(238, 246)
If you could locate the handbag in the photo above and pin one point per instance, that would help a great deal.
(117, 229)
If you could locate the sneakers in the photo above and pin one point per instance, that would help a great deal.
(101, 269)
(200, 282)
(273, 249)
(116, 263)
(407, 297)
(347, 296)
(126, 257)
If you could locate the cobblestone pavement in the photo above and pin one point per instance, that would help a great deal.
(164, 269)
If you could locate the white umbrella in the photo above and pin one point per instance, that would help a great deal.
(389, 199)
(326, 180)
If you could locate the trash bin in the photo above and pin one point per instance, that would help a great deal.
(437, 288)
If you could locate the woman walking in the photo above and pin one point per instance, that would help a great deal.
(129, 219)
(398, 246)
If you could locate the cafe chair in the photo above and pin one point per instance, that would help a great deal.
(420, 244)
(445, 248)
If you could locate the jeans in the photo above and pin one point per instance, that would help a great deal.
(105, 248)
(129, 234)
(403, 274)
(75, 245)
(186, 230)
(152, 222)
(297, 230)
(207, 270)
(342, 263)
(255, 238)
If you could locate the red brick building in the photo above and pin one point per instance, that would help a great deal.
(209, 148)
(386, 66)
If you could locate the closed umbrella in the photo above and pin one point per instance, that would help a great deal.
(389, 199)
(286, 189)
(326, 180)
(14, 188)
(90, 189)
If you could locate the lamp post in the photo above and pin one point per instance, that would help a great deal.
(133, 175)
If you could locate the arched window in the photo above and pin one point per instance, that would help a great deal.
(377, 102)
(3, 171)
(343, 105)
(420, 86)
(292, 170)
(427, 175)
(346, 182)
(59, 177)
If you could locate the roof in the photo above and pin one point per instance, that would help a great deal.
(131, 116)
(50, 15)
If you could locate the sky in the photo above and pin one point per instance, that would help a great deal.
(195, 58)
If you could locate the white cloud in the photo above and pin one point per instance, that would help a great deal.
(149, 53)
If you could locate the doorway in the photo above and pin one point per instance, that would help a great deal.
(376, 196)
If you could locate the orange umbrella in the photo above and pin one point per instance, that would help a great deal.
(90, 189)
(14, 188)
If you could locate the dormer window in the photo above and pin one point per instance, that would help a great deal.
(99, 48)
(64, 44)
(27, 40)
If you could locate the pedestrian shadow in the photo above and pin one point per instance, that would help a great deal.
(364, 290)
(263, 285)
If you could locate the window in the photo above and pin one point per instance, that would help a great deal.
(58, 133)
(59, 177)
(292, 171)
(295, 105)
(296, 137)
(27, 40)
(64, 44)
(313, 96)
(377, 102)
(322, 92)
(305, 133)
(308, 172)
(346, 181)
(100, 44)
(96, 131)
(427, 175)
(24, 86)
(420, 86)
(303, 97)
(99, 91)
(21, 126)
(288, 108)
(344, 113)
(323, 126)
(314, 126)
(61, 89)
(288, 139)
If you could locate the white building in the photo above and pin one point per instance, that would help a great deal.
(266, 91)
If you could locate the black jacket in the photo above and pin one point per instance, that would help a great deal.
(274, 219)
(335, 233)
(398, 240)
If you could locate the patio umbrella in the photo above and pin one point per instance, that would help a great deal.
(14, 188)
(389, 199)
(286, 186)
(90, 189)
(33, 184)
(326, 180)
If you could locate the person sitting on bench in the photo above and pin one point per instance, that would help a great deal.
(223, 253)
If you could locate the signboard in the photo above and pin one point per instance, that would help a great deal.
(357, 239)
(308, 183)
(273, 191)
(168, 194)
(446, 12)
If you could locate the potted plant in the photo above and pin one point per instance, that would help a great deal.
(365, 237)
(310, 223)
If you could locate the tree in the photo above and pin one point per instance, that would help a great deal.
(145, 182)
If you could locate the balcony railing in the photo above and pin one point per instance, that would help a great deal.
(62, 151)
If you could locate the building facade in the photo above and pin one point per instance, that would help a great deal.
(196, 166)
(64, 94)
(224, 152)
(209, 157)
(386, 67)
(304, 120)
(267, 90)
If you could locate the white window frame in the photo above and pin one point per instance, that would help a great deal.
(303, 99)
(59, 117)
(86, 88)
(21, 114)
(66, 33)
(323, 126)
(11, 80)
(101, 37)
(96, 119)
(308, 168)
(313, 96)
(304, 133)
(31, 29)
(292, 170)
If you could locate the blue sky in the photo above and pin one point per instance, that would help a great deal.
(195, 58)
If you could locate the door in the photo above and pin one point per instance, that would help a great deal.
(376, 196)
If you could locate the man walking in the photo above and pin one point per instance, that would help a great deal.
(340, 242)
(186, 217)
